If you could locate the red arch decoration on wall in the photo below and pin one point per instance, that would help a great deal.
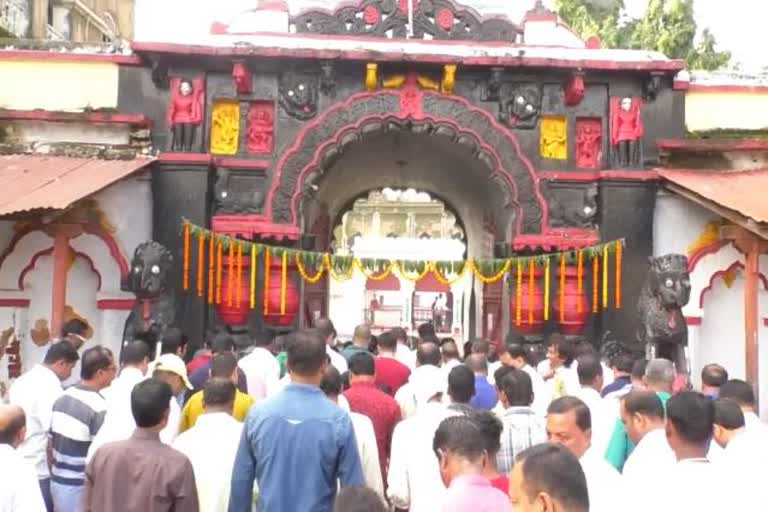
(46, 252)
(410, 109)
(712, 248)
(720, 273)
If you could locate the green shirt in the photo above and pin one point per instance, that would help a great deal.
(619, 447)
(281, 358)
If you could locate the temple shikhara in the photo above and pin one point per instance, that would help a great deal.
(514, 176)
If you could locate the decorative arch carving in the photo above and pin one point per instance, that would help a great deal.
(419, 111)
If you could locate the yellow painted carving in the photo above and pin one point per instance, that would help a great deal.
(393, 82)
(730, 276)
(553, 141)
(709, 235)
(225, 127)
(371, 76)
(428, 83)
(449, 78)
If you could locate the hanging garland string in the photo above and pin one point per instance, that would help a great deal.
(579, 279)
(185, 257)
(530, 291)
(442, 279)
(418, 277)
(211, 266)
(218, 272)
(595, 271)
(253, 277)
(283, 280)
(230, 272)
(562, 288)
(546, 289)
(473, 265)
(617, 280)
(266, 282)
(239, 291)
(519, 293)
(605, 276)
(321, 268)
(200, 262)
(383, 274)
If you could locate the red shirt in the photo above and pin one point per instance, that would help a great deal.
(501, 482)
(364, 398)
(197, 362)
(391, 373)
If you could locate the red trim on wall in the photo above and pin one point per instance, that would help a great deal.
(403, 56)
(14, 303)
(608, 174)
(117, 58)
(713, 144)
(46, 252)
(117, 304)
(712, 248)
(693, 320)
(252, 225)
(207, 158)
(734, 265)
(728, 88)
(76, 117)
(185, 158)
(241, 163)
(559, 239)
(681, 85)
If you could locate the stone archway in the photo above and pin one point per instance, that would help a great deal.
(414, 110)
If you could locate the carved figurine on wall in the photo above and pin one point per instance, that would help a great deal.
(574, 214)
(663, 331)
(185, 112)
(260, 127)
(626, 132)
(229, 198)
(589, 143)
(155, 308)
(520, 106)
(298, 95)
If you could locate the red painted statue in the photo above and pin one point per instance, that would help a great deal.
(185, 111)
(626, 131)
(573, 91)
(589, 143)
(241, 76)
(260, 127)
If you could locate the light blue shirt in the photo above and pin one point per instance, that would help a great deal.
(296, 445)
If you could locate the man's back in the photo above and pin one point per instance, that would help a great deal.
(296, 445)
(140, 474)
(19, 491)
(523, 428)
(262, 373)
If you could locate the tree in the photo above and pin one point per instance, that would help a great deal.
(668, 26)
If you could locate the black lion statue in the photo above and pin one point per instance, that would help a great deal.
(155, 308)
(663, 331)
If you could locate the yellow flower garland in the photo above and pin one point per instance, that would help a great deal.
(324, 265)
(373, 277)
(253, 276)
(492, 279)
(418, 277)
(443, 280)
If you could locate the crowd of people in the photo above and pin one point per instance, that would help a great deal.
(301, 423)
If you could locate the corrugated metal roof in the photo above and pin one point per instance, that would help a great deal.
(741, 191)
(33, 182)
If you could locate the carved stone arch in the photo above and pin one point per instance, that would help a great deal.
(323, 139)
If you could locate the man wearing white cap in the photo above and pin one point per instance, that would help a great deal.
(170, 368)
(414, 477)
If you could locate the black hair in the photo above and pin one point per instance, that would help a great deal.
(738, 391)
(218, 391)
(517, 387)
(61, 351)
(223, 365)
(491, 428)
(461, 384)
(95, 359)
(553, 469)
(625, 363)
(516, 350)
(514, 337)
(588, 369)
(306, 352)
(173, 339)
(222, 342)
(74, 326)
(449, 349)
(565, 348)
(460, 435)
(358, 499)
(362, 363)
(500, 373)
(478, 363)
(430, 338)
(584, 348)
(425, 330)
(728, 414)
(263, 339)
(714, 375)
(693, 415)
(387, 340)
(10, 430)
(566, 404)
(646, 403)
(150, 399)
(325, 327)
(480, 347)
(638, 368)
(331, 384)
(428, 353)
(134, 352)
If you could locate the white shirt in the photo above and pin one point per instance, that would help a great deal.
(746, 451)
(541, 393)
(752, 423)
(35, 392)
(262, 373)
(491, 371)
(414, 480)
(604, 483)
(603, 418)
(369, 452)
(118, 422)
(647, 467)
(211, 445)
(568, 376)
(171, 430)
(406, 356)
(337, 360)
(19, 487)
(695, 484)
(424, 383)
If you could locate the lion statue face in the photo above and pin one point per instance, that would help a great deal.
(520, 106)
(149, 270)
(298, 96)
(670, 281)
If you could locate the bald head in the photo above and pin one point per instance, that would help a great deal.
(428, 353)
(450, 350)
(362, 336)
(478, 363)
(13, 425)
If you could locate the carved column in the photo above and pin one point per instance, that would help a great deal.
(39, 19)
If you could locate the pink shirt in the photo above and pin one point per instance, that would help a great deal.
(474, 493)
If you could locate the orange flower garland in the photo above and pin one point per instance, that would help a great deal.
(605, 276)
(253, 277)
(185, 257)
(239, 291)
(617, 282)
(546, 289)
(579, 279)
(266, 281)
(211, 263)
(530, 291)
(595, 270)
(230, 271)
(200, 263)
(218, 273)
(519, 293)
(562, 288)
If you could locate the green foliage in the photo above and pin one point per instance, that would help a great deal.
(668, 26)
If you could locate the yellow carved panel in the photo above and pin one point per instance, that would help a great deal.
(225, 127)
(553, 142)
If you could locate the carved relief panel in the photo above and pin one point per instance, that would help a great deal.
(225, 126)
(589, 142)
(260, 127)
(553, 141)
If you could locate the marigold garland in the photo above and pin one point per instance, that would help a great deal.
(617, 281)
(200, 262)
(283, 281)
(595, 271)
(519, 293)
(218, 272)
(530, 291)
(266, 281)
(321, 268)
(605, 276)
(546, 289)
(253, 277)
(230, 272)
(373, 277)
(185, 257)
(239, 291)
(444, 280)
(579, 279)
(492, 279)
(562, 288)
(211, 264)
(418, 277)
(350, 271)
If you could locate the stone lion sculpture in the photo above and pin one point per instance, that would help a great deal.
(663, 331)
(155, 308)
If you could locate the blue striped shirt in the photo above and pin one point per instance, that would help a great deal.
(77, 417)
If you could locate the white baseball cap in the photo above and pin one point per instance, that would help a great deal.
(174, 364)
